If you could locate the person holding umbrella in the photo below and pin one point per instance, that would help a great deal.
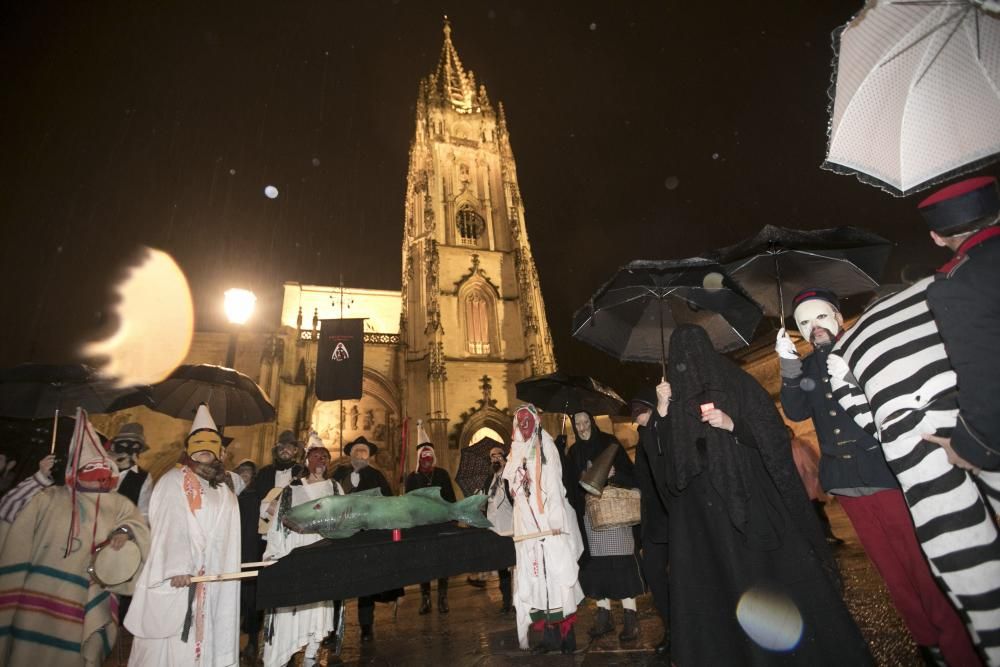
(428, 474)
(195, 531)
(964, 298)
(741, 527)
(853, 468)
(609, 568)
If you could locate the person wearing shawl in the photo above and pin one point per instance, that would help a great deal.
(741, 527)
(547, 588)
(51, 611)
(196, 531)
(609, 568)
(428, 474)
(291, 629)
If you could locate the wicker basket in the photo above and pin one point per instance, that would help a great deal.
(616, 507)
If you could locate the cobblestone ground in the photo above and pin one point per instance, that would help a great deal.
(474, 633)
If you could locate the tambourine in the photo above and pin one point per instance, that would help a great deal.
(111, 568)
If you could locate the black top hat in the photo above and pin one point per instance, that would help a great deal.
(361, 440)
(816, 293)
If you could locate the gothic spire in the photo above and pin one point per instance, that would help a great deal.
(450, 82)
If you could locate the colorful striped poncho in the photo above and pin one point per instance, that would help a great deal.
(51, 612)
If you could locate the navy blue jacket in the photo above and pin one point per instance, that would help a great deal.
(965, 300)
(850, 457)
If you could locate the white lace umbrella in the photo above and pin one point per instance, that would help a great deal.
(917, 96)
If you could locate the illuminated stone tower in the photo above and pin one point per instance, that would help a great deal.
(473, 320)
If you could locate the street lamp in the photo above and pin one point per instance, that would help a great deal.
(239, 305)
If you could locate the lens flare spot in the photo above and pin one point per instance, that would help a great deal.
(271, 192)
(770, 618)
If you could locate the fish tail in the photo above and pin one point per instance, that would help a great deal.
(470, 510)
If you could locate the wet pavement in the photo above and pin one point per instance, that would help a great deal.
(474, 633)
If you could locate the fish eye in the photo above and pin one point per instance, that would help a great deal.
(317, 506)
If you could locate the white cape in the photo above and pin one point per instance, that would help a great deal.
(184, 542)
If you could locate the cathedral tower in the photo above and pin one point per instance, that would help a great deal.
(473, 320)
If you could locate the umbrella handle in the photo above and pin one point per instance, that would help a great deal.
(55, 428)
(781, 293)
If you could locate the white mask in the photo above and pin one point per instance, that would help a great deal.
(814, 314)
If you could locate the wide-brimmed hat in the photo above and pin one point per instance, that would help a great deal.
(361, 440)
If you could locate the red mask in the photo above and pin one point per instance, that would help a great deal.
(96, 475)
(426, 461)
(525, 423)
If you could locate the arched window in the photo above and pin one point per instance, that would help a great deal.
(477, 307)
(470, 226)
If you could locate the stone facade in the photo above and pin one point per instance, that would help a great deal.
(448, 348)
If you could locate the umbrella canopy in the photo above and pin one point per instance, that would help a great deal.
(474, 468)
(777, 263)
(632, 316)
(916, 96)
(232, 397)
(558, 392)
(36, 391)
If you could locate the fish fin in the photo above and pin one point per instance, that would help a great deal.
(470, 510)
(339, 533)
(369, 492)
(428, 492)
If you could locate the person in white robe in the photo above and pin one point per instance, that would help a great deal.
(290, 629)
(195, 527)
(546, 580)
(500, 513)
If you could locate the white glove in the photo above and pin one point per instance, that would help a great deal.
(784, 345)
(837, 367)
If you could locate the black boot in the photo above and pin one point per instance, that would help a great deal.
(442, 603)
(630, 631)
(367, 634)
(550, 639)
(568, 644)
(602, 623)
(425, 604)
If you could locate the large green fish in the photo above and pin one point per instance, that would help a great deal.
(342, 516)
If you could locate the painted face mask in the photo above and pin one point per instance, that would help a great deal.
(525, 423)
(818, 321)
(583, 426)
(97, 475)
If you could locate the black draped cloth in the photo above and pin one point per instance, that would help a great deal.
(740, 521)
(603, 576)
(370, 561)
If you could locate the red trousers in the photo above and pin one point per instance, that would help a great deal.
(883, 524)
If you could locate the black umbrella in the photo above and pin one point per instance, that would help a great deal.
(632, 316)
(777, 263)
(37, 391)
(232, 397)
(474, 468)
(558, 392)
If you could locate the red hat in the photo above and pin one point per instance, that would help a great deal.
(953, 209)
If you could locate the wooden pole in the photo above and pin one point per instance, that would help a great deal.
(55, 428)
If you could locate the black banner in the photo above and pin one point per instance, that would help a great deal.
(340, 360)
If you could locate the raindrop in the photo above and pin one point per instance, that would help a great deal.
(232, 172)
(671, 182)
(770, 618)
(58, 249)
(807, 384)
(315, 161)
(715, 156)
(271, 192)
(593, 27)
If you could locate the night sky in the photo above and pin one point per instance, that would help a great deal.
(641, 130)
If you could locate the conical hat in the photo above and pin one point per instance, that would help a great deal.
(203, 420)
(422, 438)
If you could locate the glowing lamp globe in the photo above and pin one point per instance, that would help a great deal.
(239, 304)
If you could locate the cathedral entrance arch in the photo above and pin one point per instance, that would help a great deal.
(375, 415)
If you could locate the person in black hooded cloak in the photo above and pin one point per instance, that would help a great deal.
(744, 542)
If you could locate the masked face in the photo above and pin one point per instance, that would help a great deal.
(96, 475)
(204, 441)
(318, 460)
(818, 321)
(426, 460)
(525, 424)
(581, 420)
(123, 459)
